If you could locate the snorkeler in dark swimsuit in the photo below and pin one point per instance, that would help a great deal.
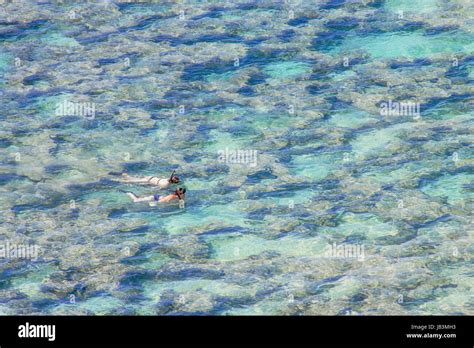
(178, 194)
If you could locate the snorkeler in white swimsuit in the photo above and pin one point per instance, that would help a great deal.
(152, 180)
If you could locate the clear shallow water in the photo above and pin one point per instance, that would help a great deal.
(301, 84)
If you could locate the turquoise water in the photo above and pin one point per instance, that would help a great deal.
(299, 85)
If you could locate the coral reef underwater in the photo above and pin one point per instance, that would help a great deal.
(343, 210)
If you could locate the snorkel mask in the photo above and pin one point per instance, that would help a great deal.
(177, 191)
(173, 178)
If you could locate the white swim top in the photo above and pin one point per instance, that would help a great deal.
(163, 183)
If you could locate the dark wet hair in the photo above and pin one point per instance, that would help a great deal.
(180, 191)
(174, 179)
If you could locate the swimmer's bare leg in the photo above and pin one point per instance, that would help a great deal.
(135, 180)
(137, 199)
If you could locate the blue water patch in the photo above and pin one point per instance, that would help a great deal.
(287, 35)
(342, 24)
(91, 39)
(8, 177)
(33, 79)
(224, 38)
(22, 30)
(225, 230)
(327, 40)
(298, 21)
(416, 63)
(190, 273)
(199, 71)
(259, 176)
(133, 57)
(144, 23)
(439, 101)
(136, 278)
(441, 29)
(215, 12)
(333, 4)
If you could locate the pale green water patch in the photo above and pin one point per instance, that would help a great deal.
(298, 197)
(241, 247)
(199, 184)
(288, 69)
(239, 15)
(447, 111)
(453, 299)
(351, 118)
(230, 213)
(153, 289)
(443, 231)
(391, 175)
(48, 105)
(450, 187)
(344, 288)
(273, 122)
(220, 141)
(275, 304)
(470, 70)
(376, 141)
(155, 261)
(367, 225)
(225, 115)
(6, 310)
(408, 44)
(418, 6)
(101, 305)
(220, 77)
(58, 39)
(97, 305)
(68, 176)
(316, 167)
(30, 284)
(341, 76)
(105, 199)
(6, 62)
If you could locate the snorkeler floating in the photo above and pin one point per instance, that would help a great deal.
(151, 180)
(178, 194)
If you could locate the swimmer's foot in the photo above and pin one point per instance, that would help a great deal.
(133, 196)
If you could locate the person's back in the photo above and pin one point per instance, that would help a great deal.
(151, 180)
